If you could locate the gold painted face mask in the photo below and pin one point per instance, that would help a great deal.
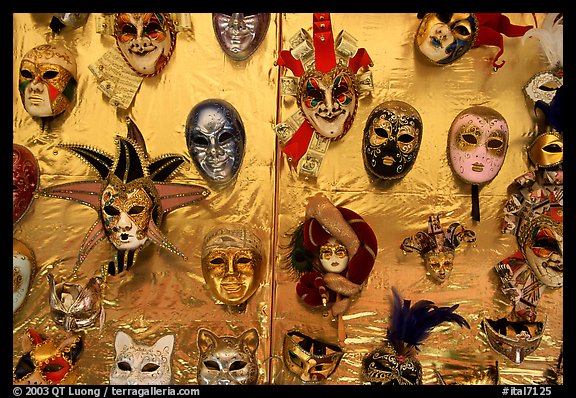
(547, 150)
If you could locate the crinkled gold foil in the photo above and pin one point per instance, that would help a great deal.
(164, 293)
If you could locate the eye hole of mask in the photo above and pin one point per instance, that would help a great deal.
(50, 74)
(295, 359)
(553, 148)
(129, 29)
(150, 367)
(380, 132)
(470, 139)
(462, 30)
(237, 365)
(546, 244)
(111, 211)
(315, 93)
(52, 367)
(152, 28)
(243, 260)
(494, 143)
(224, 137)
(405, 138)
(136, 210)
(124, 366)
(217, 261)
(201, 141)
(212, 365)
(549, 86)
(26, 74)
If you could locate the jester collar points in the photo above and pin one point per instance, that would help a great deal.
(131, 197)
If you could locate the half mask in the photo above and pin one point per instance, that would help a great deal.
(328, 80)
(23, 270)
(515, 339)
(438, 247)
(131, 197)
(392, 138)
(395, 362)
(240, 35)
(146, 41)
(227, 360)
(74, 306)
(216, 140)
(232, 263)
(141, 364)
(47, 80)
(477, 145)
(48, 360)
(25, 181)
(310, 359)
(442, 38)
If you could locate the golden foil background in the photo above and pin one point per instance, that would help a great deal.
(164, 293)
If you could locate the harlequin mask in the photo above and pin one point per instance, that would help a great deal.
(227, 360)
(62, 21)
(47, 81)
(23, 270)
(309, 359)
(216, 140)
(140, 364)
(48, 361)
(240, 35)
(437, 247)
(513, 339)
(74, 306)
(25, 180)
(131, 197)
(232, 263)
(392, 138)
(326, 86)
(146, 41)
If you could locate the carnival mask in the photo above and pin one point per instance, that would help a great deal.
(227, 360)
(309, 359)
(48, 361)
(444, 38)
(23, 270)
(240, 35)
(513, 339)
(437, 248)
(140, 364)
(73, 306)
(47, 81)
(334, 256)
(216, 140)
(392, 138)
(543, 86)
(25, 180)
(146, 41)
(232, 263)
(385, 366)
(63, 21)
(547, 150)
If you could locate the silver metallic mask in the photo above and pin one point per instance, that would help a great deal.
(66, 21)
(216, 140)
(240, 35)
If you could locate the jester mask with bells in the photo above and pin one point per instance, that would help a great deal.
(25, 181)
(48, 360)
(232, 263)
(239, 34)
(310, 359)
(131, 197)
(395, 362)
(227, 360)
(332, 253)
(437, 247)
(47, 81)
(443, 38)
(23, 270)
(477, 146)
(328, 79)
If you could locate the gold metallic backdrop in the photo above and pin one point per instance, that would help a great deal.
(165, 294)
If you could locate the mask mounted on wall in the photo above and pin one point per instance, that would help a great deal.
(477, 145)
(328, 79)
(74, 306)
(395, 362)
(25, 181)
(240, 35)
(227, 360)
(141, 364)
(310, 359)
(131, 197)
(486, 376)
(515, 339)
(216, 141)
(67, 21)
(232, 264)
(23, 270)
(437, 248)
(443, 38)
(47, 80)
(391, 141)
(48, 360)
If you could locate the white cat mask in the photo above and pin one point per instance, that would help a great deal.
(140, 364)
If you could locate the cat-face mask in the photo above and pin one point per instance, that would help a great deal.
(141, 364)
(227, 360)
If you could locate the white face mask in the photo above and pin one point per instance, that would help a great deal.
(334, 256)
(138, 364)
